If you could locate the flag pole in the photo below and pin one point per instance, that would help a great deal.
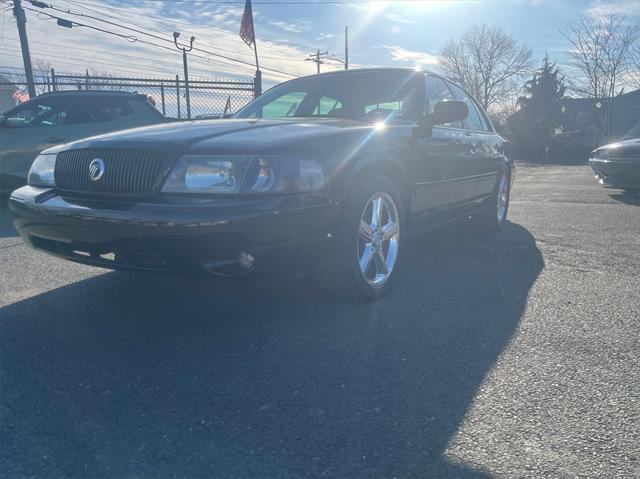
(255, 49)
(248, 35)
(257, 91)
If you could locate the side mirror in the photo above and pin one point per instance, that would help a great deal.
(448, 111)
(3, 120)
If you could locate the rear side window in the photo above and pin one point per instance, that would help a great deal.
(437, 91)
(97, 110)
(112, 111)
(475, 120)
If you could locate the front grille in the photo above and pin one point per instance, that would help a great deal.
(125, 172)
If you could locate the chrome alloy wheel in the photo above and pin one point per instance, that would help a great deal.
(503, 198)
(378, 239)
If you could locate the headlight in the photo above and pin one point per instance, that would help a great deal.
(209, 174)
(202, 174)
(42, 170)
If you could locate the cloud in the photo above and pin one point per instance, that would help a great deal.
(326, 36)
(215, 28)
(629, 8)
(394, 17)
(298, 27)
(412, 57)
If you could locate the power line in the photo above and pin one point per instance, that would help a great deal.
(81, 62)
(285, 2)
(178, 22)
(153, 35)
(90, 50)
(133, 39)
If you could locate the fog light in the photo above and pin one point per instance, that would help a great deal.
(246, 260)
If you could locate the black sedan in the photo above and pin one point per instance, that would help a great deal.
(617, 165)
(331, 171)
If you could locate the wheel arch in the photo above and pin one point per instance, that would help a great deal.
(387, 167)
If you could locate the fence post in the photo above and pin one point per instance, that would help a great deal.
(53, 80)
(186, 82)
(257, 84)
(48, 84)
(178, 93)
(164, 113)
(86, 80)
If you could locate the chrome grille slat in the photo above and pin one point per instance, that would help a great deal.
(126, 171)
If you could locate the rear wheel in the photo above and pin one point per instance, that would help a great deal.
(367, 242)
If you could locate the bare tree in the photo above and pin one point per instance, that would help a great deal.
(488, 62)
(41, 75)
(107, 80)
(41, 71)
(601, 54)
(633, 77)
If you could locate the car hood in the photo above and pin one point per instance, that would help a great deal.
(622, 149)
(238, 135)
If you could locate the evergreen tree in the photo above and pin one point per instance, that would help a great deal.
(539, 113)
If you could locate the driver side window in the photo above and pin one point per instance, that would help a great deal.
(438, 91)
(326, 106)
(34, 114)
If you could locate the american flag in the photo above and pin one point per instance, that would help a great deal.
(20, 96)
(247, 33)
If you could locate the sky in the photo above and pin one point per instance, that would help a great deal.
(382, 33)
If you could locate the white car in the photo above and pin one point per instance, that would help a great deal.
(60, 117)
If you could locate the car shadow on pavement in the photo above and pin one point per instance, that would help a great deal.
(129, 375)
(627, 197)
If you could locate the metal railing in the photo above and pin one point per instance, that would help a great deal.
(207, 97)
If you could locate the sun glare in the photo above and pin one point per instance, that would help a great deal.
(377, 6)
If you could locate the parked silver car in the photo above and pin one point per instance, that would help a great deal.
(60, 117)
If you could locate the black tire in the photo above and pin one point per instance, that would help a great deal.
(489, 219)
(338, 271)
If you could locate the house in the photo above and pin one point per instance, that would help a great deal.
(585, 125)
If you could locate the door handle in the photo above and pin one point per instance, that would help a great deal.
(55, 139)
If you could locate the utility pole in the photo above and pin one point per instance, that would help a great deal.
(346, 47)
(21, 20)
(186, 69)
(317, 58)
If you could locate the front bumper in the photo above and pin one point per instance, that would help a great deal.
(617, 173)
(177, 233)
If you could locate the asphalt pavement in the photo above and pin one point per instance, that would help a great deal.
(510, 356)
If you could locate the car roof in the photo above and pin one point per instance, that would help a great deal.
(85, 93)
(92, 93)
(373, 70)
(377, 70)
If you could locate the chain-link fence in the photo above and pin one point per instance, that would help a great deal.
(173, 97)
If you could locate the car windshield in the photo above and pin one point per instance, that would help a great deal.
(362, 96)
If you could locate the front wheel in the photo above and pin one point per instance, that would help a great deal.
(494, 215)
(367, 242)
